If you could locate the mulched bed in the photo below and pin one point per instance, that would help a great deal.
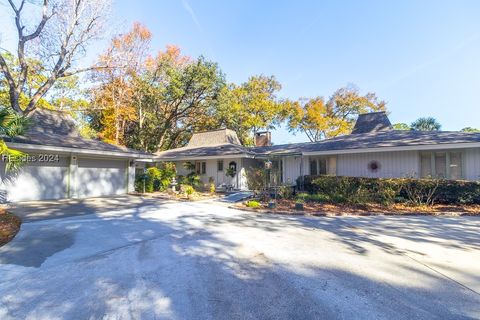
(178, 196)
(9, 226)
(326, 209)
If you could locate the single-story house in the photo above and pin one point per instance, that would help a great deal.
(63, 164)
(373, 149)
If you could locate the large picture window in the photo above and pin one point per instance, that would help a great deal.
(441, 165)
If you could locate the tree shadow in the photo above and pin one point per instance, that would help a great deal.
(142, 266)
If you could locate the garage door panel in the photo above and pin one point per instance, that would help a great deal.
(100, 177)
(36, 182)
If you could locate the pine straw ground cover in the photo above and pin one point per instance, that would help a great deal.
(9, 226)
(327, 209)
(196, 196)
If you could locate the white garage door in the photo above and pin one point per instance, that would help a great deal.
(100, 177)
(38, 180)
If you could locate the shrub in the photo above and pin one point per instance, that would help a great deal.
(186, 189)
(212, 188)
(156, 178)
(285, 192)
(256, 179)
(253, 204)
(387, 191)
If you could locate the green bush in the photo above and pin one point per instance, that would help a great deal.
(387, 191)
(186, 189)
(285, 192)
(253, 204)
(156, 178)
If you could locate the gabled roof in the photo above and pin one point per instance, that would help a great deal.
(213, 138)
(372, 122)
(58, 129)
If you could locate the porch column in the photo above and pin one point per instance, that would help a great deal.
(301, 173)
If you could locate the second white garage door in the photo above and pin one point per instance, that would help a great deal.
(100, 177)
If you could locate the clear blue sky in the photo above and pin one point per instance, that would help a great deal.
(422, 57)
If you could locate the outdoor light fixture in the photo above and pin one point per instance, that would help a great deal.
(268, 164)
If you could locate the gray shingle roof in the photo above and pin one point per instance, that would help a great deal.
(380, 139)
(214, 138)
(372, 122)
(204, 151)
(360, 142)
(58, 129)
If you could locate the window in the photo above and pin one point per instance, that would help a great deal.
(441, 165)
(220, 165)
(426, 166)
(322, 166)
(318, 166)
(313, 167)
(201, 167)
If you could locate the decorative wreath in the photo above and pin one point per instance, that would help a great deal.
(374, 166)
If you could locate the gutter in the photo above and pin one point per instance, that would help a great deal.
(230, 156)
(439, 146)
(25, 146)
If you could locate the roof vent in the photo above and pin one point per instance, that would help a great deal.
(372, 122)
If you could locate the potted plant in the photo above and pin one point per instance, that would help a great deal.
(230, 172)
(300, 201)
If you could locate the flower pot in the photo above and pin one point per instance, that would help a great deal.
(272, 205)
(299, 206)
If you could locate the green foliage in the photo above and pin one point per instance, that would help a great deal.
(230, 172)
(250, 106)
(356, 190)
(156, 179)
(401, 126)
(187, 190)
(253, 204)
(256, 179)
(319, 119)
(285, 192)
(212, 188)
(470, 129)
(426, 124)
(11, 125)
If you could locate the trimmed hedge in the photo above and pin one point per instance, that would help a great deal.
(373, 190)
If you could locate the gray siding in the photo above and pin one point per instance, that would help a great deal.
(472, 164)
(397, 164)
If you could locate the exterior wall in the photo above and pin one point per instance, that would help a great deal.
(238, 181)
(397, 164)
(291, 169)
(472, 164)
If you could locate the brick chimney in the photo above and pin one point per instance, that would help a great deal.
(263, 139)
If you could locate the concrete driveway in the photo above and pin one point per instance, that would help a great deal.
(164, 260)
